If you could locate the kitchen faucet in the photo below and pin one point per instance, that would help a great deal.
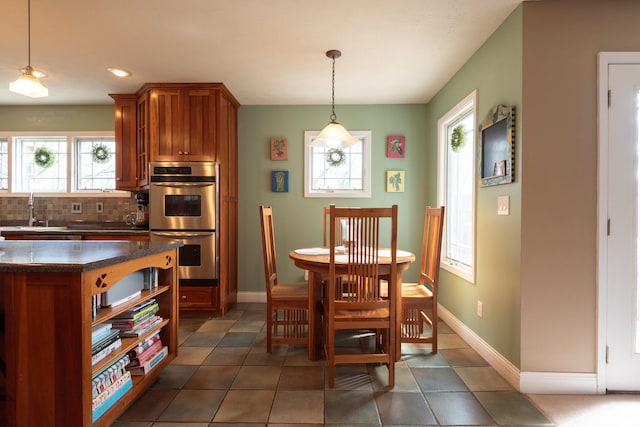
(32, 216)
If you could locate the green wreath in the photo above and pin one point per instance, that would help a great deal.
(458, 137)
(100, 153)
(44, 157)
(336, 157)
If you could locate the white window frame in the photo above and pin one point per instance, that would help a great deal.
(365, 192)
(71, 189)
(469, 103)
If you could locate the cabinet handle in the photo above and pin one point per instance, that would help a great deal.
(184, 297)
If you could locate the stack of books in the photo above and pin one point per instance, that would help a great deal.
(146, 355)
(138, 319)
(109, 385)
(104, 340)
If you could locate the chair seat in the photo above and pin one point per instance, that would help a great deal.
(415, 290)
(355, 315)
(290, 292)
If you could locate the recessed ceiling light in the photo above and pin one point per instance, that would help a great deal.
(36, 73)
(119, 72)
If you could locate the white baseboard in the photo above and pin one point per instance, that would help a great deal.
(252, 297)
(558, 383)
(524, 382)
(497, 361)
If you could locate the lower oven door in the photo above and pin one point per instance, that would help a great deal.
(197, 259)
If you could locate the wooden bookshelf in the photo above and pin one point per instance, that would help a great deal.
(48, 334)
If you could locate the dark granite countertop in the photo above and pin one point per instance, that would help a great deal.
(72, 255)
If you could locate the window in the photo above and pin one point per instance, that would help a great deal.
(4, 164)
(57, 163)
(337, 172)
(456, 187)
(96, 163)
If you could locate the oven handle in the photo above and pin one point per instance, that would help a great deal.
(179, 235)
(183, 184)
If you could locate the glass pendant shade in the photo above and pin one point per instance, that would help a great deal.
(28, 85)
(334, 135)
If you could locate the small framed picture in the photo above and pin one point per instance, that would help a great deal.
(279, 181)
(395, 146)
(395, 181)
(279, 149)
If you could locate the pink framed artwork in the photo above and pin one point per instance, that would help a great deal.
(395, 146)
(279, 149)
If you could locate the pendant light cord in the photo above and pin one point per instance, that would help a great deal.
(29, 33)
(333, 90)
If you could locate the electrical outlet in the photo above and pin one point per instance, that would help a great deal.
(76, 207)
(503, 205)
(99, 207)
(479, 309)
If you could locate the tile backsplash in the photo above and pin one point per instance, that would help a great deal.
(58, 210)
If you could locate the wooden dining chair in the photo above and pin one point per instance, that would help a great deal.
(352, 295)
(420, 300)
(287, 304)
(325, 229)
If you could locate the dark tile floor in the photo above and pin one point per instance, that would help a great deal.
(224, 376)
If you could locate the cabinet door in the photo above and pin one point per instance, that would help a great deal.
(142, 143)
(166, 124)
(200, 125)
(125, 136)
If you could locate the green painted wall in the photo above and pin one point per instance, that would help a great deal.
(495, 70)
(60, 118)
(298, 220)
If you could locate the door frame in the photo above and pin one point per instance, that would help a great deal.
(604, 60)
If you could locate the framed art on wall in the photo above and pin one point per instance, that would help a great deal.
(395, 181)
(395, 146)
(279, 181)
(279, 148)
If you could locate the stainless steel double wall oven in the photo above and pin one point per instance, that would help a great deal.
(183, 207)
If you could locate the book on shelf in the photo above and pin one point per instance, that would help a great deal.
(108, 375)
(105, 342)
(95, 358)
(149, 365)
(146, 355)
(100, 331)
(143, 345)
(132, 319)
(136, 308)
(141, 328)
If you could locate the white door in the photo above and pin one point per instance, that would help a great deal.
(623, 343)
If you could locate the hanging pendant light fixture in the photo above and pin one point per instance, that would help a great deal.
(28, 84)
(334, 135)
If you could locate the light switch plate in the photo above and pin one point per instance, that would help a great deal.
(503, 205)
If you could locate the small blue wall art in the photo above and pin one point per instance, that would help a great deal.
(280, 181)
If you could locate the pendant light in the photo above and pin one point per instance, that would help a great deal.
(28, 84)
(334, 135)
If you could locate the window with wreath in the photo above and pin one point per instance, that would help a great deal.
(58, 163)
(337, 171)
(456, 187)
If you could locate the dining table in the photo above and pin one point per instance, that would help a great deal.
(316, 261)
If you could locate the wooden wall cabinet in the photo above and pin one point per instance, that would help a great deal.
(125, 136)
(192, 122)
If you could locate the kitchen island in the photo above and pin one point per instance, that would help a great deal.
(48, 293)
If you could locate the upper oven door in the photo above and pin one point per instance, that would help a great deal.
(182, 206)
(183, 195)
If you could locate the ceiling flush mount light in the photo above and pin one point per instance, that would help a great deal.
(28, 84)
(334, 134)
(119, 72)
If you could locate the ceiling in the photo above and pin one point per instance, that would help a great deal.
(267, 52)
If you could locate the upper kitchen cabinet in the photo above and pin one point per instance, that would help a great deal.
(125, 136)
